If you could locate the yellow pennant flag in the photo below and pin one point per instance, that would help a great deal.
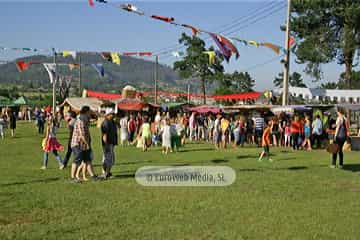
(251, 42)
(211, 55)
(115, 58)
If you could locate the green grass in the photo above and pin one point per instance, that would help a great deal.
(296, 197)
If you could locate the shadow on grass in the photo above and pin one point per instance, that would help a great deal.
(219, 161)
(196, 150)
(248, 156)
(125, 175)
(46, 180)
(352, 167)
(250, 170)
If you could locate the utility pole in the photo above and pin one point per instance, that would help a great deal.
(188, 90)
(155, 78)
(80, 92)
(54, 84)
(285, 97)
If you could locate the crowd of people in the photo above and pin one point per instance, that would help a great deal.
(172, 131)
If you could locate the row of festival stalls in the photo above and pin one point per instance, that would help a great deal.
(126, 102)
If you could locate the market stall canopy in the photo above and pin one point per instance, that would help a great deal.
(351, 107)
(77, 103)
(131, 104)
(290, 109)
(21, 101)
(100, 95)
(246, 107)
(238, 96)
(205, 109)
(5, 102)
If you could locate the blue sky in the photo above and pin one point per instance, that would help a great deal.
(73, 25)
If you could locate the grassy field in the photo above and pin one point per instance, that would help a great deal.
(296, 197)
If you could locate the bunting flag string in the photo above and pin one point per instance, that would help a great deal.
(225, 45)
(115, 58)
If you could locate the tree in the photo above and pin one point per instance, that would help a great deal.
(295, 80)
(329, 31)
(355, 78)
(235, 83)
(329, 85)
(196, 63)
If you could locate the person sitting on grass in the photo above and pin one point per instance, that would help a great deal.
(266, 142)
(50, 144)
(81, 147)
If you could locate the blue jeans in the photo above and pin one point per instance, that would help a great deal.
(46, 158)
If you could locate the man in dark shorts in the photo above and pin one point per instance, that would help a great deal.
(71, 122)
(80, 144)
(109, 139)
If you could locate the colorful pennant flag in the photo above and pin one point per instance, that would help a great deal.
(66, 53)
(73, 66)
(226, 47)
(211, 55)
(273, 47)
(194, 30)
(177, 54)
(106, 56)
(22, 66)
(130, 8)
(148, 54)
(254, 43)
(291, 41)
(165, 19)
(91, 3)
(99, 68)
(115, 58)
(51, 69)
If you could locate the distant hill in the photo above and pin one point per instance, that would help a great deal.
(133, 71)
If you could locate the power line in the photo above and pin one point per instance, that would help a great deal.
(257, 19)
(230, 25)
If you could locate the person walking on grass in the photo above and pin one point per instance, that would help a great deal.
(123, 130)
(70, 125)
(295, 132)
(109, 139)
(81, 147)
(307, 134)
(317, 131)
(217, 131)
(341, 133)
(145, 132)
(166, 137)
(12, 118)
(266, 142)
(50, 144)
(2, 125)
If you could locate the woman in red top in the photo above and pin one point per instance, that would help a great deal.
(295, 130)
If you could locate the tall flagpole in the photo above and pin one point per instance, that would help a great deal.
(285, 97)
(155, 78)
(80, 92)
(54, 84)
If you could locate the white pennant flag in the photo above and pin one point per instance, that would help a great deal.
(51, 69)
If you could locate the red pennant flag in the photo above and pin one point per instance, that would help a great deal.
(130, 53)
(22, 66)
(145, 54)
(91, 3)
(194, 30)
(291, 41)
(165, 19)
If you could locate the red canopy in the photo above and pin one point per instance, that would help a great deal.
(205, 109)
(100, 95)
(238, 96)
(131, 104)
